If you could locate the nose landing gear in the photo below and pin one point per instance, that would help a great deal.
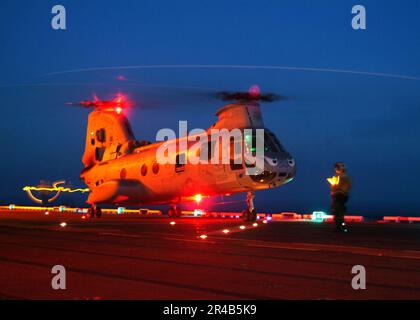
(250, 214)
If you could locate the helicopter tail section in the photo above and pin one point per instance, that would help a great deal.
(109, 135)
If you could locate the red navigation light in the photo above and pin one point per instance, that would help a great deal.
(122, 102)
(119, 99)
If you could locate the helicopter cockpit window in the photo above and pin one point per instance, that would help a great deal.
(251, 142)
(276, 141)
(271, 143)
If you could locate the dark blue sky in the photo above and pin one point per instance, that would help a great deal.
(371, 123)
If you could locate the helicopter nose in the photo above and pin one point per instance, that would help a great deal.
(286, 169)
(272, 162)
(280, 163)
(291, 162)
(292, 170)
(286, 163)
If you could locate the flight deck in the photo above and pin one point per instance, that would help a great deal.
(129, 256)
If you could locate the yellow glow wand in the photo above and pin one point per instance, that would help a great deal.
(334, 180)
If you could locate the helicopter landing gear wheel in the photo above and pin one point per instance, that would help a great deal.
(245, 215)
(94, 211)
(250, 214)
(174, 212)
(171, 212)
(91, 212)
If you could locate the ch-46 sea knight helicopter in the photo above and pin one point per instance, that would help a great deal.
(120, 170)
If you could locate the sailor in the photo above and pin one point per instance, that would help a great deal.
(340, 186)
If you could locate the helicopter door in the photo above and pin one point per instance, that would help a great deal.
(180, 163)
(237, 160)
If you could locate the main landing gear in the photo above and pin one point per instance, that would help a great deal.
(95, 211)
(174, 212)
(250, 214)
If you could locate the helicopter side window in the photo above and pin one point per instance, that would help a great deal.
(117, 151)
(100, 135)
(180, 162)
(143, 170)
(207, 151)
(235, 152)
(211, 145)
(155, 168)
(99, 154)
(210, 151)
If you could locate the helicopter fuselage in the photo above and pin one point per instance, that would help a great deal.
(120, 170)
(138, 178)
